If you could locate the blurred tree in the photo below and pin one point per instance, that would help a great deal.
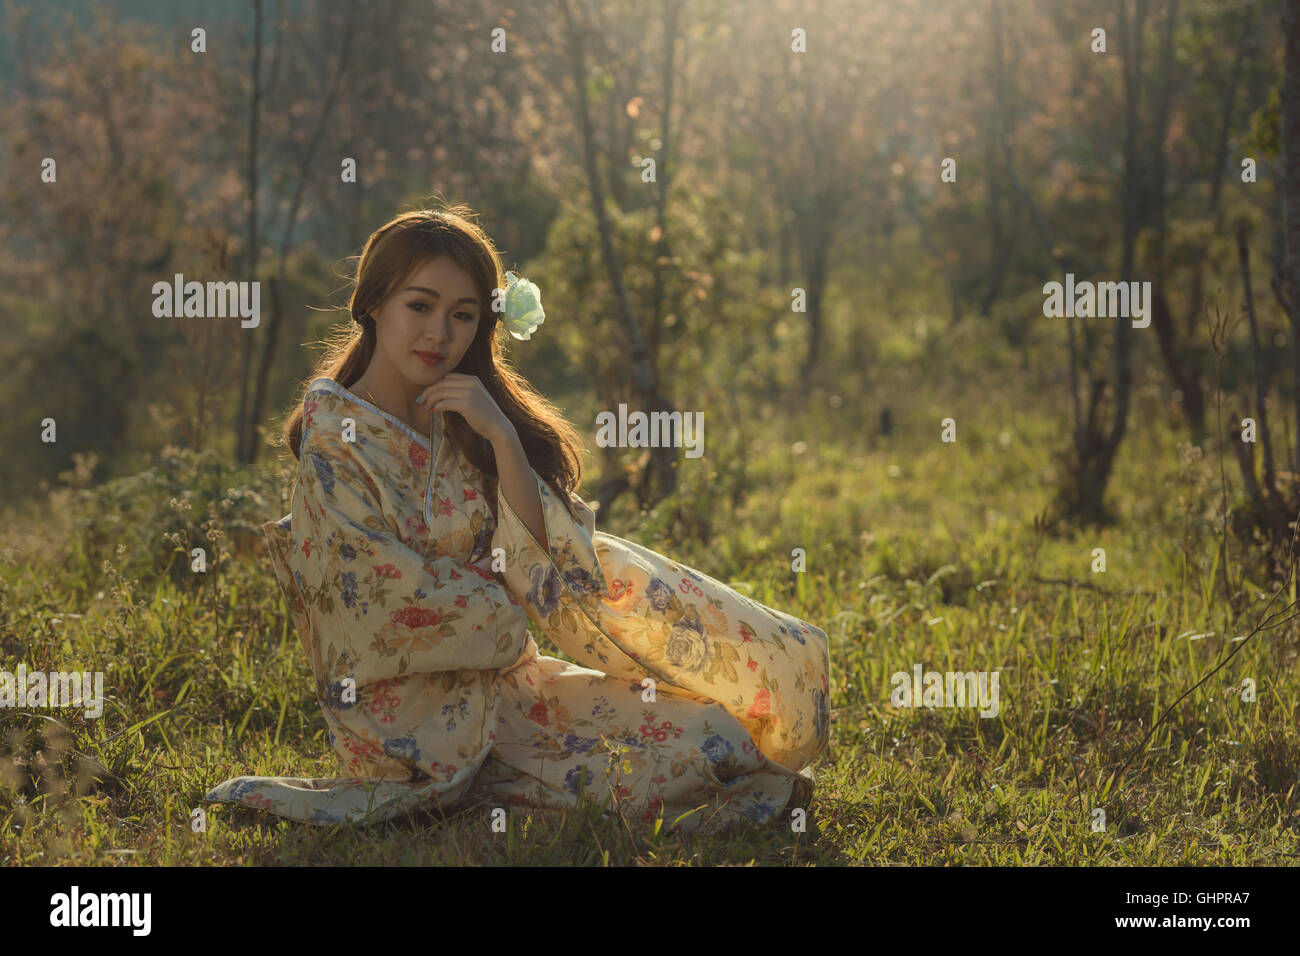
(120, 115)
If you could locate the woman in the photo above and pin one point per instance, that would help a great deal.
(433, 514)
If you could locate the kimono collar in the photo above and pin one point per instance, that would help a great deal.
(329, 385)
(435, 449)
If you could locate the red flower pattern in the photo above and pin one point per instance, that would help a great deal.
(652, 809)
(415, 617)
(661, 732)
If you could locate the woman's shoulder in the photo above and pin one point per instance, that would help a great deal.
(333, 454)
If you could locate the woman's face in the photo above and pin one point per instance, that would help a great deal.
(425, 328)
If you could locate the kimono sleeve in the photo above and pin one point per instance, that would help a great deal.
(568, 563)
(562, 586)
(381, 609)
(634, 613)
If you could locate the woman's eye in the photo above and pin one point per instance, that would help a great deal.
(420, 306)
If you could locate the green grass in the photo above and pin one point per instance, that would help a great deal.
(917, 552)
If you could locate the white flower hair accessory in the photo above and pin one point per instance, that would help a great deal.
(523, 307)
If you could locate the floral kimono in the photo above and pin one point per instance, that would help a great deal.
(410, 585)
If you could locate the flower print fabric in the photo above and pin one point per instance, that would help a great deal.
(411, 592)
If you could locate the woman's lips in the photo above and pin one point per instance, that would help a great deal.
(429, 358)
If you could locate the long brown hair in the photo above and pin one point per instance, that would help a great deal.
(391, 255)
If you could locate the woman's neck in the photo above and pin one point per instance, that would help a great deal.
(417, 418)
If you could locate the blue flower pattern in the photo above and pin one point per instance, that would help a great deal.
(571, 779)
(545, 593)
(717, 749)
(324, 471)
(659, 594)
(579, 745)
(404, 748)
(821, 713)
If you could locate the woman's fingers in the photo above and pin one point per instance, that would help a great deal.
(452, 384)
(434, 392)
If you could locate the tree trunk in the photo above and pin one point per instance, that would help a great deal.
(663, 250)
(1095, 471)
(1183, 368)
(242, 419)
(816, 244)
(1001, 240)
(252, 446)
(643, 376)
(1132, 225)
(1290, 284)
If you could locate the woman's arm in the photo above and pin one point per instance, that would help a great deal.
(382, 609)
(516, 483)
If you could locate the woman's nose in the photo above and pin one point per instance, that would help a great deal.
(437, 327)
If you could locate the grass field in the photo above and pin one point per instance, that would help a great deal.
(918, 552)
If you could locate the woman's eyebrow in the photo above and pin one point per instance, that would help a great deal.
(434, 293)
